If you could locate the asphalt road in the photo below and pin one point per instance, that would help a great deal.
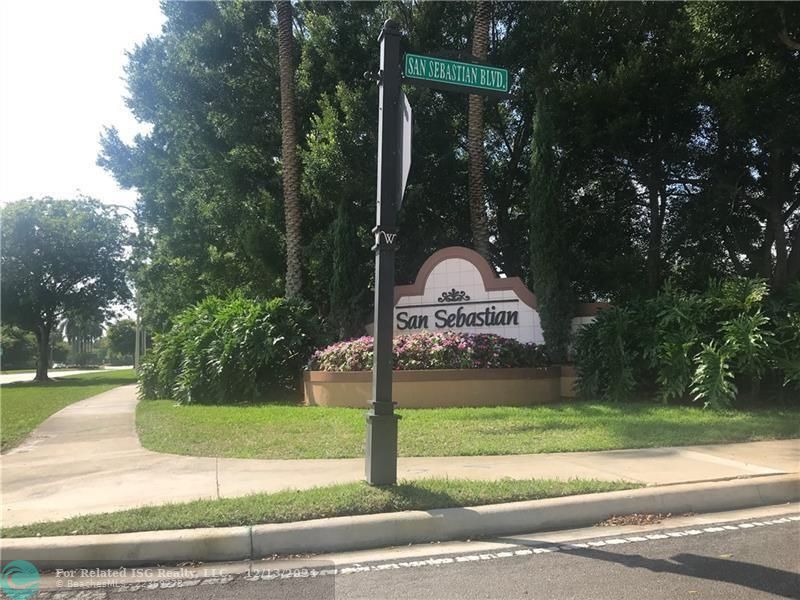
(734, 561)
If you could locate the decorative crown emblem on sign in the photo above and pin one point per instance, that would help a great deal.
(454, 295)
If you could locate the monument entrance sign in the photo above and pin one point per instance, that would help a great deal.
(456, 290)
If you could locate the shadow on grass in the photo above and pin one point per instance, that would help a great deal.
(566, 409)
(667, 432)
(542, 427)
(408, 496)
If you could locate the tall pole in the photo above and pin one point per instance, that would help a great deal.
(137, 344)
(381, 447)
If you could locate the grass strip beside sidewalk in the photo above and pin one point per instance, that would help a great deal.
(316, 503)
(25, 405)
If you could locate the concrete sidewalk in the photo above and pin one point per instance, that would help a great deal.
(87, 459)
(55, 374)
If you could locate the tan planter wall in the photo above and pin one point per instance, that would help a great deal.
(440, 388)
(568, 380)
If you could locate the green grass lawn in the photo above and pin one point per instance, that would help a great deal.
(23, 406)
(271, 431)
(317, 503)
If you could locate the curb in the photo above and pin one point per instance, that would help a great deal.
(394, 529)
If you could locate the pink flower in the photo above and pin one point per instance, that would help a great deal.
(431, 350)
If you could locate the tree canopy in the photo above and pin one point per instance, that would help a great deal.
(59, 258)
(673, 129)
(122, 337)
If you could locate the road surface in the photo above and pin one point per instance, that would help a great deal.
(744, 559)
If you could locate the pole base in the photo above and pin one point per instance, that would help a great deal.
(381, 450)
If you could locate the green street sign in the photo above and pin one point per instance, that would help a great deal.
(442, 73)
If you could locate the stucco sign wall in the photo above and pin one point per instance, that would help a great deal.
(457, 290)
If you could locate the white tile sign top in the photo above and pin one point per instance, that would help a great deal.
(456, 290)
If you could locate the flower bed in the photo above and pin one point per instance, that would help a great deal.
(433, 350)
(434, 369)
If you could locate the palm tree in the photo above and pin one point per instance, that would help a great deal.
(82, 330)
(291, 166)
(477, 208)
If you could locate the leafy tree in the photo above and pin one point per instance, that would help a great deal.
(58, 257)
(751, 82)
(340, 153)
(122, 337)
(627, 96)
(17, 348)
(210, 210)
(342, 135)
(347, 292)
(549, 249)
(436, 209)
(671, 124)
(208, 184)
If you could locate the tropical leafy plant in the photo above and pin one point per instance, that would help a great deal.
(712, 382)
(785, 346)
(698, 346)
(748, 341)
(680, 317)
(611, 354)
(228, 350)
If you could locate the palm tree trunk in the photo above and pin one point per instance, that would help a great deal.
(291, 166)
(477, 208)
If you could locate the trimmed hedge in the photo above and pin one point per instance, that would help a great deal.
(433, 350)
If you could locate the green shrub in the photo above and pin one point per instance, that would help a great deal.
(785, 314)
(59, 351)
(611, 354)
(702, 346)
(18, 349)
(230, 350)
(84, 359)
(120, 360)
(433, 350)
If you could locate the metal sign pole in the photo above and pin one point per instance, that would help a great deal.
(381, 447)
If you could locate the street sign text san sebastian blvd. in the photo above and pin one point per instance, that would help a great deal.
(458, 76)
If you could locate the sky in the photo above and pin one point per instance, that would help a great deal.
(62, 80)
